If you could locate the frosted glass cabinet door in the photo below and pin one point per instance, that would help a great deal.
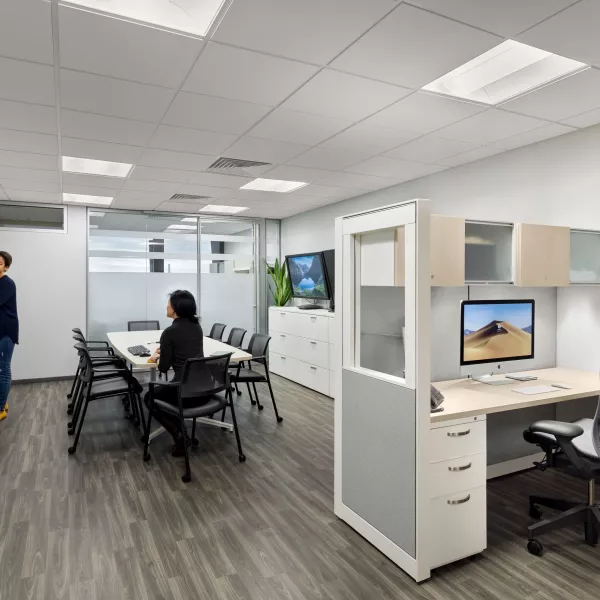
(585, 257)
(488, 252)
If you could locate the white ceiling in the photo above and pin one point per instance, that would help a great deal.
(325, 91)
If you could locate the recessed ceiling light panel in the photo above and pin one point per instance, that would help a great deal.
(273, 185)
(504, 72)
(218, 208)
(85, 199)
(181, 227)
(90, 166)
(187, 16)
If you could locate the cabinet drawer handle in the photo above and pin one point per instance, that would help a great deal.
(463, 468)
(314, 343)
(284, 357)
(461, 501)
(458, 433)
(281, 335)
(313, 318)
(314, 368)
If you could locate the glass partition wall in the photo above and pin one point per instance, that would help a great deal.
(135, 260)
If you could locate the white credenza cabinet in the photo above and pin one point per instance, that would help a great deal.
(302, 347)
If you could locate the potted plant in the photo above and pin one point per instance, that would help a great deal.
(281, 289)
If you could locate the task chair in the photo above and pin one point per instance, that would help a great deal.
(216, 331)
(199, 394)
(575, 449)
(235, 339)
(258, 348)
(143, 325)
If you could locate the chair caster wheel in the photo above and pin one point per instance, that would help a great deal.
(70, 431)
(260, 407)
(72, 450)
(69, 396)
(279, 419)
(253, 403)
(535, 547)
(70, 425)
(143, 439)
(535, 512)
(239, 393)
(146, 457)
(195, 442)
(70, 410)
(186, 478)
(242, 458)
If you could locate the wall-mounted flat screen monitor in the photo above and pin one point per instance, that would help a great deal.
(307, 276)
(496, 331)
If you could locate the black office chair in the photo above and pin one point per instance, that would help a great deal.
(236, 337)
(575, 449)
(258, 348)
(199, 394)
(143, 325)
(99, 383)
(216, 331)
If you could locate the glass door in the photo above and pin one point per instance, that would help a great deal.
(228, 253)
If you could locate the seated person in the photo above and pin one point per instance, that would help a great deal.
(182, 340)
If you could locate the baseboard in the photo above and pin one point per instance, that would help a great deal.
(43, 380)
(513, 466)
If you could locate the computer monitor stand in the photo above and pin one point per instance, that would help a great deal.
(310, 307)
(493, 380)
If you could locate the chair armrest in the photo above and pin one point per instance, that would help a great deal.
(88, 342)
(111, 370)
(557, 428)
(171, 384)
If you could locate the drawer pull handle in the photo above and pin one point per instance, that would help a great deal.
(463, 468)
(458, 433)
(281, 335)
(461, 501)
(313, 318)
(314, 368)
(284, 357)
(314, 343)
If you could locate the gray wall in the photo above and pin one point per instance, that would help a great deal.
(554, 182)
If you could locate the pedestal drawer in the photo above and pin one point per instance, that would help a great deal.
(457, 474)
(456, 441)
(458, 526)
(279, 364)
(307, 375)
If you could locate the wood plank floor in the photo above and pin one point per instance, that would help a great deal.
(104, 525)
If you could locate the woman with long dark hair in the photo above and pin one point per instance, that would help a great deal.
(182, 340)
(9, 329)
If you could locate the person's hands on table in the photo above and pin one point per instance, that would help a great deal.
(154, 358)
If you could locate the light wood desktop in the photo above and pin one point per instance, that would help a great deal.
(121, 340)
(468, 398)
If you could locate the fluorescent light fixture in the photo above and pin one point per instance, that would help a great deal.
(504, 72)
(96, 214)
(190, 220)
(85, 199)
(93, 226)
(182, 227)
(273, 185)
(219, 208)
(90, 166)
(188, 16)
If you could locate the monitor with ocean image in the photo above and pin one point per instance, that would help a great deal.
(307, 276)
(494, 331)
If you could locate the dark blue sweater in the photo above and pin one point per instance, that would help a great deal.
(9, 320)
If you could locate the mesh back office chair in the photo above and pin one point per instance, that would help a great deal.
(100, 383)
(216, 331)
(199, 394)
(258, 348)
(575, 449)
(143, 325)
(236, 337)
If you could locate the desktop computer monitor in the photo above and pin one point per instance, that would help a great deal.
(494, 333)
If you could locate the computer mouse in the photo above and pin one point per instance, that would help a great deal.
(145, 354)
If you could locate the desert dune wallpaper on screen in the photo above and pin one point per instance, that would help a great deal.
(493, 332)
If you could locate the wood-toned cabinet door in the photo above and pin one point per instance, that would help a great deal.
(541, 255)
(447, 250)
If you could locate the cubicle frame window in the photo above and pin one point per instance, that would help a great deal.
(493, 226)
(20, 217)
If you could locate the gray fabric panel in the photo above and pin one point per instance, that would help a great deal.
(378, 456)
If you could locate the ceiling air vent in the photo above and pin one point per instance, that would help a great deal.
(188, 198)
(238, 166)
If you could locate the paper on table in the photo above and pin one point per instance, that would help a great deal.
(535, 389)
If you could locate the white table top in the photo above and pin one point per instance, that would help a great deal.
(121, 340)
(468, 398)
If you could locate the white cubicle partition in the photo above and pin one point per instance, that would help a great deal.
(382, 417)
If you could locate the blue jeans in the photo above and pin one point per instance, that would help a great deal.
(6, 351)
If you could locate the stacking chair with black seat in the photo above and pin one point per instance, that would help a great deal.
(575, 449)
(216, 331)
(235, 339)
(204, 389)
(99, 383)
(143, 326)
(258, 348)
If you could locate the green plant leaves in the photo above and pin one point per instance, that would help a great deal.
(282, 291)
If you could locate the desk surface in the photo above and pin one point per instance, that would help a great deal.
(121, 340)
(467, 398)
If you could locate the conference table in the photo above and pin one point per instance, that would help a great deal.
(122, 340)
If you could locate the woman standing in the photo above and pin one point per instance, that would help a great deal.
(9, 329)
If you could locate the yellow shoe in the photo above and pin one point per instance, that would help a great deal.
(6, 407)
(3, 415)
